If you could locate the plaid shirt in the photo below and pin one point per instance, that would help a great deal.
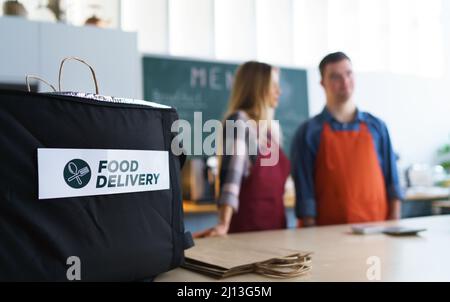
(236, 167)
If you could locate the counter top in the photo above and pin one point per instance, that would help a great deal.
(412, 194)
(191, 207)
(427, 193)
(341, 256)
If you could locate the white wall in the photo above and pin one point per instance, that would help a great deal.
(112, 53)
(38, 48)
(274, 23)
(18, 56)
(380, 35)
(150, 20)
(235, 30)
(191, 25)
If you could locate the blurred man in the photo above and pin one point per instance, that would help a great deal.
(344, 166)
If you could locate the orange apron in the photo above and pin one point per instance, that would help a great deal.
(349, 183)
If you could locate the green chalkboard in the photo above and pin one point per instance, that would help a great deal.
(204, 86)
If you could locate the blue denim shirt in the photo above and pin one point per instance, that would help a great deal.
(305, 146)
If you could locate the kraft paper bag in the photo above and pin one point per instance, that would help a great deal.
(223, 257)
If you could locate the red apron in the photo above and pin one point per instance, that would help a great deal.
(261, 205)
(349, 183)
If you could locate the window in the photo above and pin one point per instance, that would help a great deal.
(235, 29)
(191, 28)
(401, 36)
(150, 20)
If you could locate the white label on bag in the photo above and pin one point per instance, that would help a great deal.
(85, 172)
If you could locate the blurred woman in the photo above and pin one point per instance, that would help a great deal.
(251, 182)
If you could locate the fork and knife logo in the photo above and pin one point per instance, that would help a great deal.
(77, 173)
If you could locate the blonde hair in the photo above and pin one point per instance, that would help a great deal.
(250, 94)
(250, 91)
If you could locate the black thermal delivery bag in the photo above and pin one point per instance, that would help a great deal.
(89, 189)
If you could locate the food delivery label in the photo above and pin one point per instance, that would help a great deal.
(85, 172)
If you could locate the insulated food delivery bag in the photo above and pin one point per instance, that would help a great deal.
(89, 188)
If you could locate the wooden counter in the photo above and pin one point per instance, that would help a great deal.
(427, 193)
(341, 256)
(190, 207)
(424, 201)
(412, 194)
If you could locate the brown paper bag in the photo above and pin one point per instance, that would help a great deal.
(223, 257)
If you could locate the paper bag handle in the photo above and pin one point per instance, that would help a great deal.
(30, 76)
(81, 61)
(285, 267)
